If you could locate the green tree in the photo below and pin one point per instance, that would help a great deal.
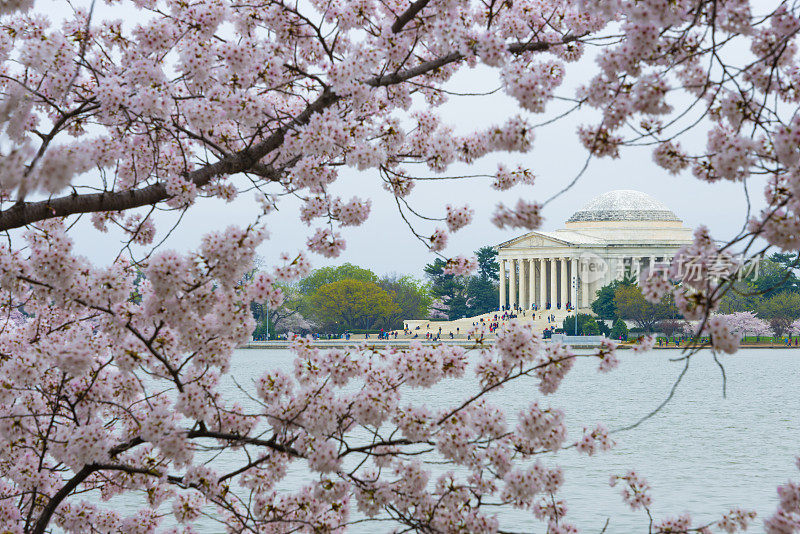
(411, 295)
(450, 291)
(308, 286)
(619, 328)
(788, 260)
(482, 296)
(604, 329)
(326, 275)
(263, 330)
(587, 326)
(603, 306)
(349, 304)
(631, 305)
(739, 296)
(775, 275)
(461, 296)
(781, 310)
(488, 267)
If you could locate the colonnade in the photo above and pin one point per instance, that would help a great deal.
(559, 281)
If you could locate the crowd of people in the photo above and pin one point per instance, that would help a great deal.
(493, 323)
(534, 307)
(383, 335)
(490, 323)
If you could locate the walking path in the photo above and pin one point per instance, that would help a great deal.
(460, 327)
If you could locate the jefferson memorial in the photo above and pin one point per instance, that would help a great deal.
(617, 233)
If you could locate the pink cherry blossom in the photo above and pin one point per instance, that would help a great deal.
(112, 370)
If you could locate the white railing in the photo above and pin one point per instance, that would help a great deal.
(576, 340)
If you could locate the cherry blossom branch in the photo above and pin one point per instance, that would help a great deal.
(47, 512)
(24, 213)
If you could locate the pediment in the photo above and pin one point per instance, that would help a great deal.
(531, 240)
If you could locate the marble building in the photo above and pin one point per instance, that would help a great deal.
(617, 232)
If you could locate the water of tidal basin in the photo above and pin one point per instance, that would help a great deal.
(701, 454)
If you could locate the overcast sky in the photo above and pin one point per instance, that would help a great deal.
(385, 245)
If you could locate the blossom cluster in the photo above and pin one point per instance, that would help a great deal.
(635, 491)
(134, 435)
(524, 215)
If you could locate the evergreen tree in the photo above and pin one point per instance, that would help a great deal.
(775, 274)
(450, 290)
(482, 296)
(488, 266)
(587, 326)
(619, 328)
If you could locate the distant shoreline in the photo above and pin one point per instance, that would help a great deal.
(403, 343)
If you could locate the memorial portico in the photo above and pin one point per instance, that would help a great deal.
(616, 233)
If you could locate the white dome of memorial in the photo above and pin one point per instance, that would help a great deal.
(618, 232)
(623, 205)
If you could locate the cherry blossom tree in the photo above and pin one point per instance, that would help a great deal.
(111, 385)
(795, 328)
(746, 323)
(740, 324)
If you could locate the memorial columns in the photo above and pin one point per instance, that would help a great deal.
(512, 283)
(531, 283)
(542, 283)
(502, 284)
(567, 278)
(584, 284)
(574, 279)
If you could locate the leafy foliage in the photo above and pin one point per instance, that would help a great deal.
(739, 296)
(449, 290)
(350, 303)
(776, 274)
(482, 296)
(411, 295)
(587, 326)
(604, 306)
(336, 306)
(631, 305)
(780, 310)
(619, 330)
(326, 275)
(282, 318)
(460, 296)
(488, 266)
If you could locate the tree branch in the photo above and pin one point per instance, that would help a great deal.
(408, 14)
(226, 436)
(24, 213)
(52, 504)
